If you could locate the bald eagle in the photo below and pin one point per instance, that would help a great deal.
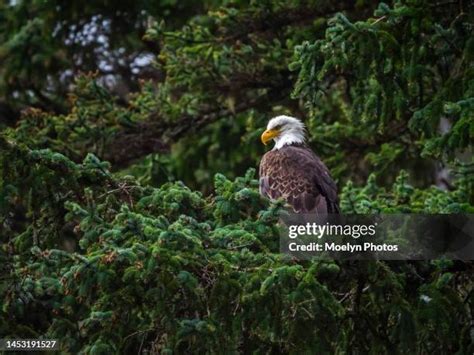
(293, 172)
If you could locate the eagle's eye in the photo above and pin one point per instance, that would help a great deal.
(278, 127)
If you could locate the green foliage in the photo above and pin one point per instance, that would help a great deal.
(45, 44)
(398, 75)
(404, 198)
(171, 269)
(132, 222)
(388, 85)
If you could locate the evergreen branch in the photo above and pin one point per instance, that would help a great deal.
(155, 135)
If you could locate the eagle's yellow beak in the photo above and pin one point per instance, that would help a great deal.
(268, 135)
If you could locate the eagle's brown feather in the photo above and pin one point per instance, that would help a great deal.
(297, 175)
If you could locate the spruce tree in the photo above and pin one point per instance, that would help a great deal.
(135, 224)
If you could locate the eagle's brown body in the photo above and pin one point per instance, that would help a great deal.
(296, 174)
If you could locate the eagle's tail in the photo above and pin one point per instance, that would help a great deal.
(333, 208)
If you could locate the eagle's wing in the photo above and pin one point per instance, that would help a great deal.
(301, 178)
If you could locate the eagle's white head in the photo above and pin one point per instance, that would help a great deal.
(284, 130)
